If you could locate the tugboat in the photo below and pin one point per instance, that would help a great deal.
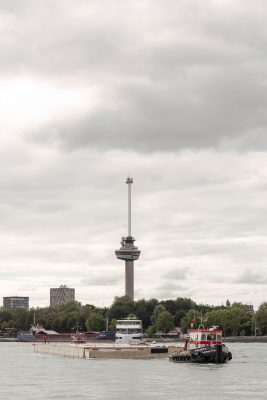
(203, 346)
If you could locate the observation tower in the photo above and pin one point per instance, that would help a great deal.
(128, 252)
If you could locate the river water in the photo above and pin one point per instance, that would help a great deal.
(26, 375)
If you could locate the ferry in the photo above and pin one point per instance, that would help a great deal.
(129, 331)
(203, 346)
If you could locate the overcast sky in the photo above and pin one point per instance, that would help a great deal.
(174, 92)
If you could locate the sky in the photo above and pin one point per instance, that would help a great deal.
(174, 93)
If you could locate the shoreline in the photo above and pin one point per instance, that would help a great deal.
(232, 339)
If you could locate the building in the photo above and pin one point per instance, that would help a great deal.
(13, 302)
(250, 308)
(61, 295)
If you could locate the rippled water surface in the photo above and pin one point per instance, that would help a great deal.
(27, 375)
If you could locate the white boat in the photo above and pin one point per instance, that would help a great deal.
(129, 331)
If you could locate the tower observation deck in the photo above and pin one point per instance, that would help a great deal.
(128, 252)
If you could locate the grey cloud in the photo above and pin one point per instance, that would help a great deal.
(154, 118)
(249, 276)
(177, 273)
(174, 82)
(85, 38)
(219, 111)
(170, 285)
(169, 289)
(101, 280)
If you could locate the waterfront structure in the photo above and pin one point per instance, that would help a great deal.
(13, 302)
(250, 308)
(61, 295)
(128, 251)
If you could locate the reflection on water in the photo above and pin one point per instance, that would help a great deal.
(27, 375)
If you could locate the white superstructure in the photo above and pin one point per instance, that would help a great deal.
(129, 331)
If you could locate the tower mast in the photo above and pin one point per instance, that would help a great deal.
(129, 182)
(128, 252)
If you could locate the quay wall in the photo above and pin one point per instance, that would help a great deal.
(101, 352)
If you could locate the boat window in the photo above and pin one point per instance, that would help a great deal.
(219, 338)
(210, 336)
(203, 336)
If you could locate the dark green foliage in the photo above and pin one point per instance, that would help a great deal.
(5, 316)
(156, 315)
(261, 319)
(144, 309)
(112, 325)
(191, 320)
(95, 322)
(164, 322)
(234, 320)
(157, 310)
(121, 308)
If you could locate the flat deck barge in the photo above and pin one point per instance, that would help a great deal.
(103, 352)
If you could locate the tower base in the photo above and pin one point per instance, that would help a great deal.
(129, 279)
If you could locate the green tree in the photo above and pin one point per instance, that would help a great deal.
(169, 305)
(112, 325)
(87, 309)
(183, 305)
(261, 318)
(95, 322)
(144, 310)
(70, 306)
(152, 330)
(5, 316)
(121, 307)
(234, 320)
(164, 322)
(157, 310)
(191, 319)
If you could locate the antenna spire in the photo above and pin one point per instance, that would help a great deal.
(129, 182)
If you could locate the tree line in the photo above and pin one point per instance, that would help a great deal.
(235, 319)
